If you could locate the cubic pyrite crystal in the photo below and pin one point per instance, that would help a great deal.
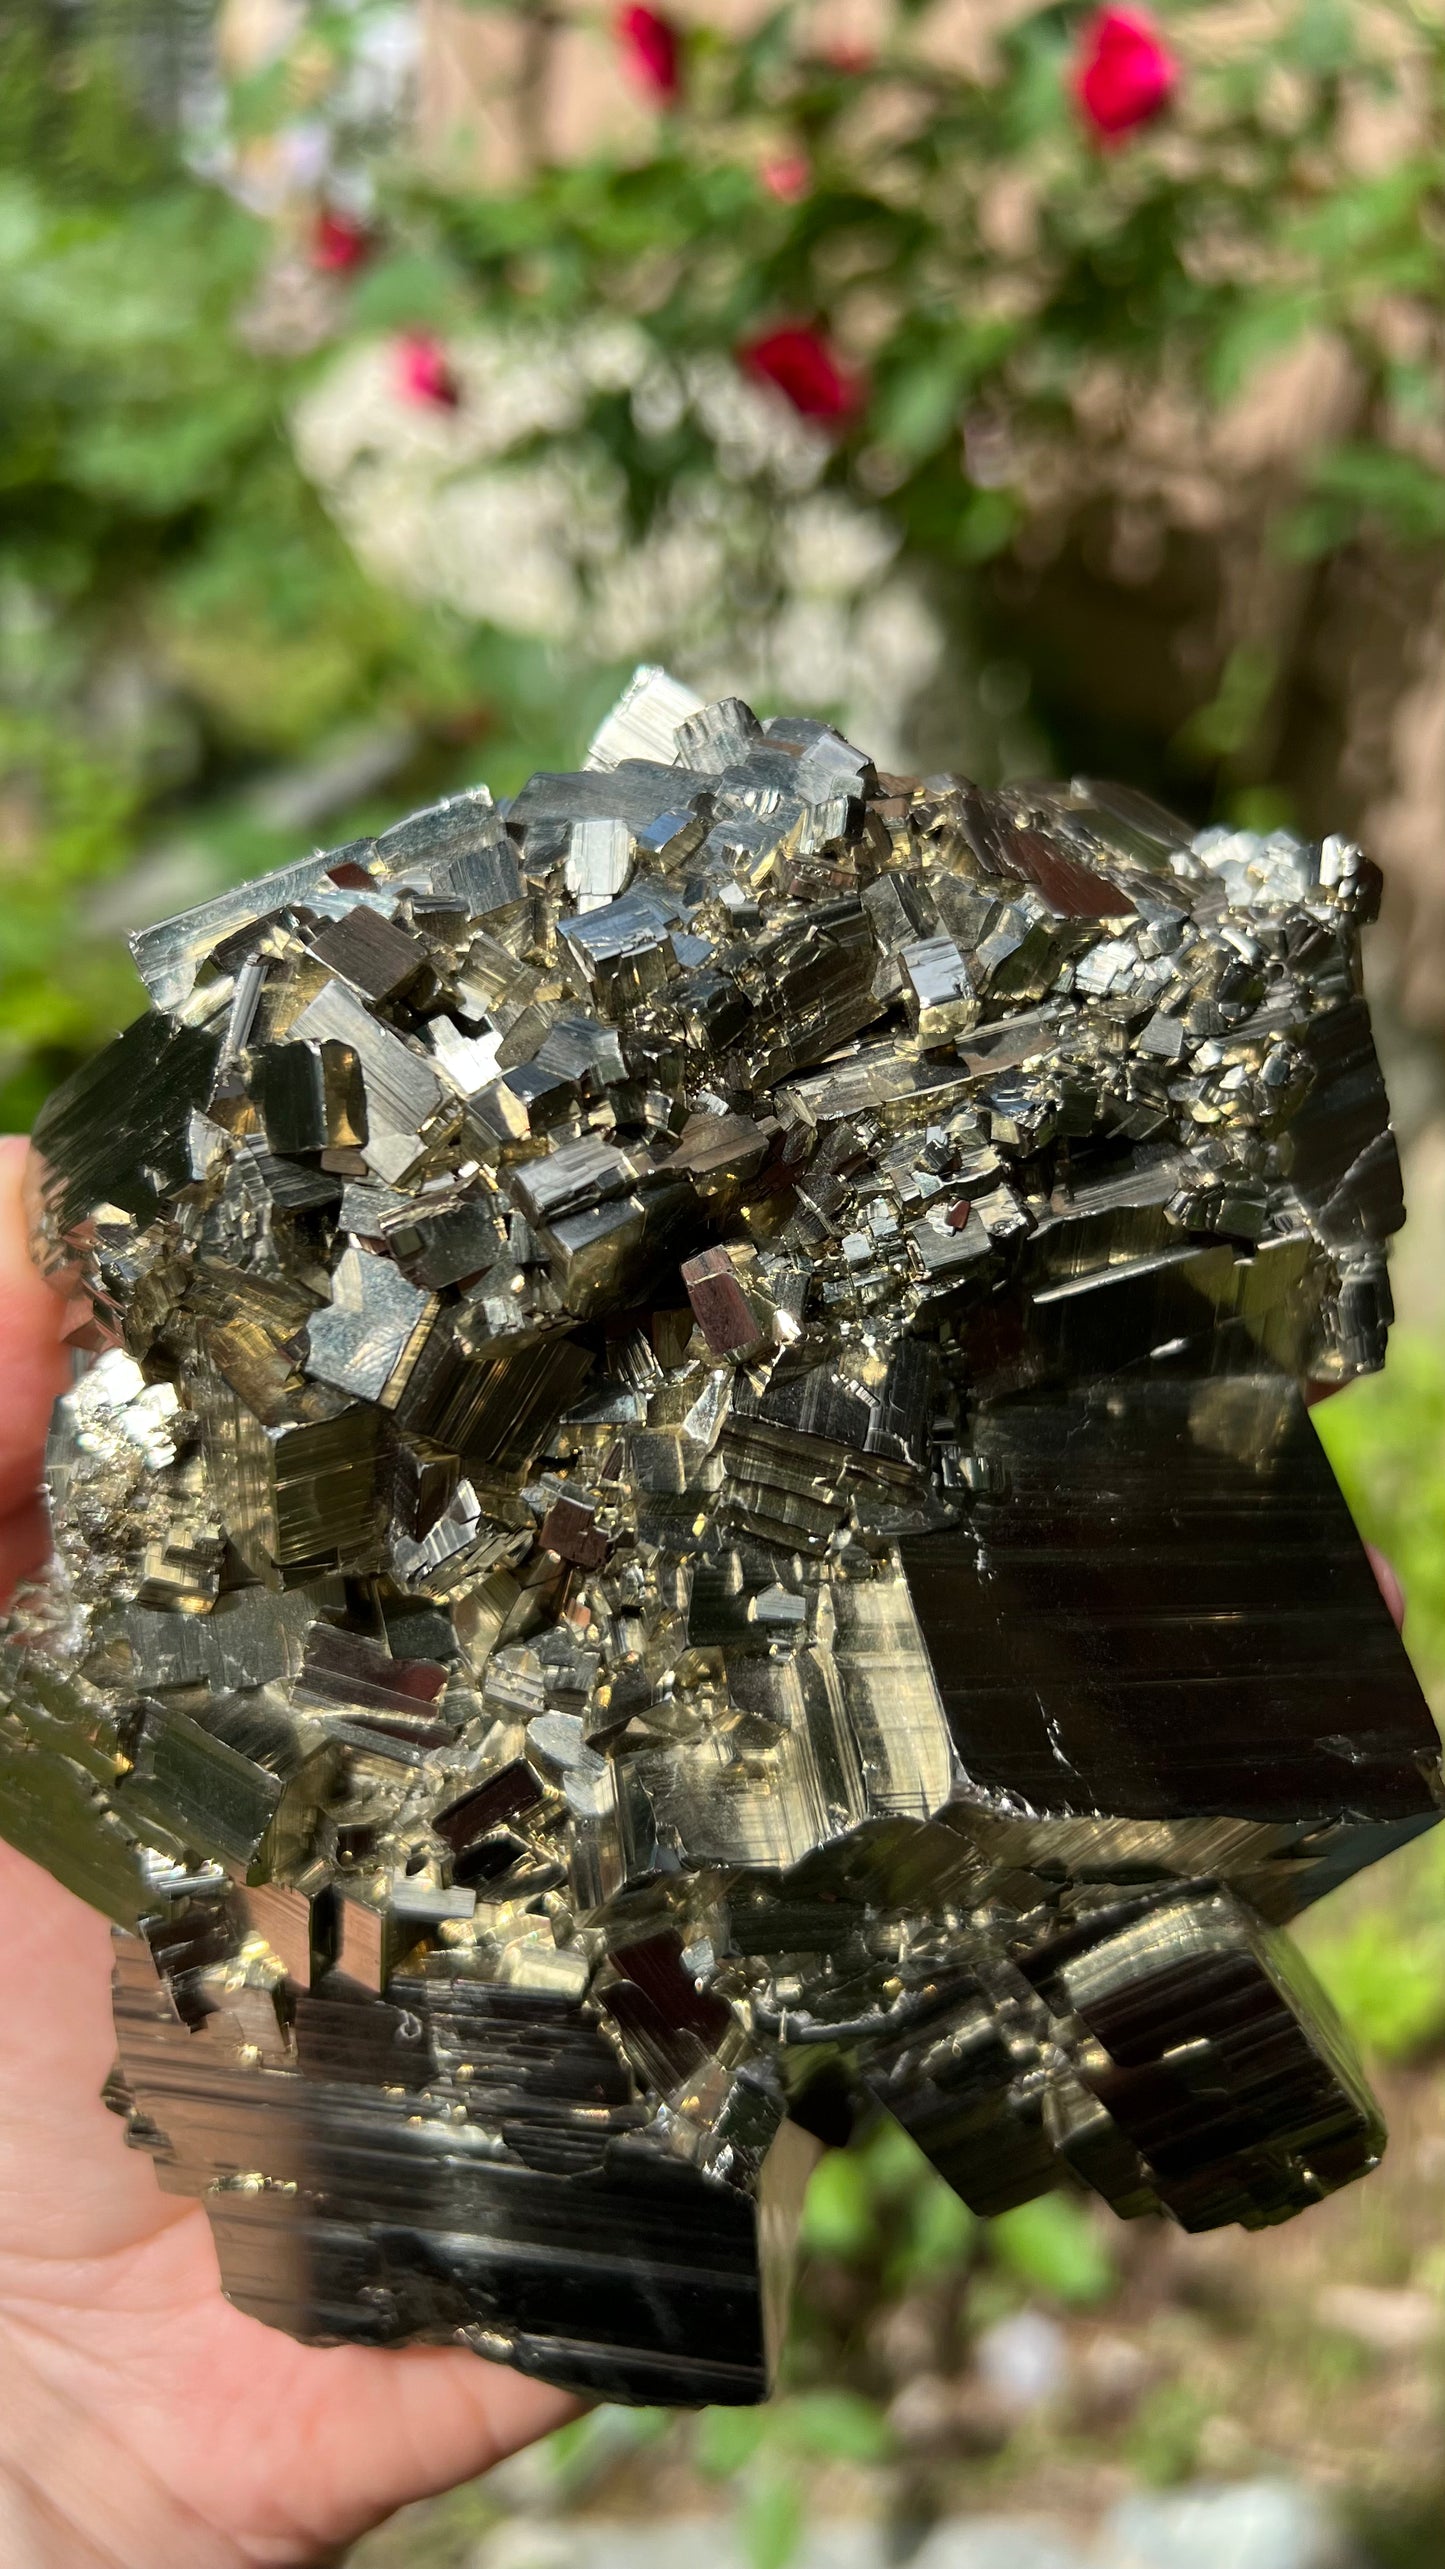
(693, 1509)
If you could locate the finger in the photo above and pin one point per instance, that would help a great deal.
(381, 2430)
(24, 1547)
(1387, 1579)
(305, 2446)
(34, 1367)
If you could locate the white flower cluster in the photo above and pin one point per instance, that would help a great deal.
(752, 579)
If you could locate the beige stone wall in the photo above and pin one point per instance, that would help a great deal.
(498, 86)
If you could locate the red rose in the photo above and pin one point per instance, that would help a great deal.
(788, 177)
(651, 51)
(338, 244)
(1123, 72)
(423, 372)
(803, 366)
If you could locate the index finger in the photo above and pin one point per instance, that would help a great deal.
(34, 1368)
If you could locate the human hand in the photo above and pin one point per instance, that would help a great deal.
(144, 2423)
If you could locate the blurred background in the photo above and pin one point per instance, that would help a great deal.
(1023, 388)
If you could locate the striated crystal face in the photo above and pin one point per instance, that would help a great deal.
(693, 1513)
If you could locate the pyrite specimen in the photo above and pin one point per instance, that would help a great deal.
(692, 1509)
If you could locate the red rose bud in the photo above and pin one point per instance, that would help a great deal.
(424, 373)
(1124, 73)
(788, 178)
(651, 51)
(804, 368)
(338, 244)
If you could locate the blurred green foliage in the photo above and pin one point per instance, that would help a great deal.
(1386, 1440)
(880, 2208)
(178, 613)
(179, 616)
(1162, 2446)
(1058, 2249)
(138, 437)
(1380, 1945)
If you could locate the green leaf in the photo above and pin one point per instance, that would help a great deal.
(22, 225)
(917, 410)
(1163, 2440)
(1406, 496)
(1386, 1440)
(725, 2439)
(1386, 1975)
(987, 524)
(1054, 2244)
(838, 2217)
(1263, 808)
(771, 2522)
(1262, 327)
(413, 289)
(1322, 38)
(578, 2455)
(1355, 222)
(895, 2163)
(1035, 104)
(943, 2234)
(163, 459)
(837, 2425)
(1226, 725)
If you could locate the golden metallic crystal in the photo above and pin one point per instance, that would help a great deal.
(691, 1515)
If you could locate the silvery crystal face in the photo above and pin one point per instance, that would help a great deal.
(692, 1514)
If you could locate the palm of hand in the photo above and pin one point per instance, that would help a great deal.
(131, 2375)
(141, 2417)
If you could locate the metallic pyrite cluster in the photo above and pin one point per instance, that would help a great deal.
(691, 1512)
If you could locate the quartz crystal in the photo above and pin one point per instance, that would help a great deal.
(688, 1513)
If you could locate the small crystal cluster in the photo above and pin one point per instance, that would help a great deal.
(692, 1513)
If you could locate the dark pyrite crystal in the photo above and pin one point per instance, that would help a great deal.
(692, 1509)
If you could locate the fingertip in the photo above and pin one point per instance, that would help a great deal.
(34, 1367)
(24, 1547)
